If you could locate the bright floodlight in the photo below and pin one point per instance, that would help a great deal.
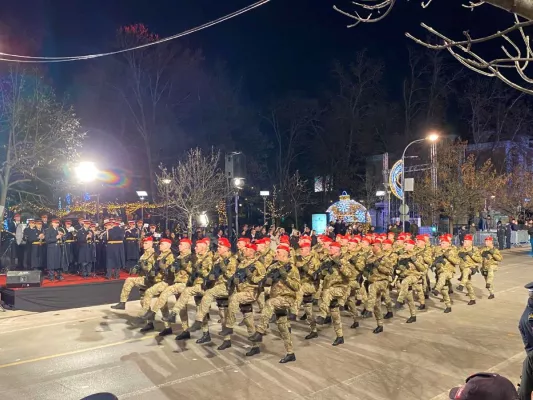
(166, 181)
(264, 193)
(142, 193)
(86, 171)
(238, 182)
(380, 193)
(433, 137)
(203, 220)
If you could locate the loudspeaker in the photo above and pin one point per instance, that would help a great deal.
(23, 279)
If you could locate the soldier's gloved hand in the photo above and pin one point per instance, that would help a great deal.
(249, 273)
(283, 273)
(398, 271)
(305, 268)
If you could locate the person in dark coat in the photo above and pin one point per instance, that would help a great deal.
(508, 231)
(500, 232)
(69, 247)
(131, 245)
(38, 249)
(115, 258)
(53, 237)
(85, 240)
(30, 236)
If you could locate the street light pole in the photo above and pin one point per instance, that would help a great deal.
(432, 137)
(264, 194)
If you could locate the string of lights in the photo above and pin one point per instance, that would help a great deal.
(30, 59)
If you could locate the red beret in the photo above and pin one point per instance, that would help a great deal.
(187, 241)
(284, 247)
(366, 240)
(409, 241)
(335, 244)
(251, 246)
(421, 237)
(165, 240)
(224, 242)
(354, 240)
(260, 241)
(55, 220)
(93, 225)
(327, 239)
(86, 222)
(284, 239)
(148, 239)
(376, 242)
(305, 244)
(489, 238)
(202, 241)
(468, 237)
(387, 241)
(244, 239)
(266, 239)
(444, 239)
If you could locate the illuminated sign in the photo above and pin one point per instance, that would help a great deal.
(395, 179)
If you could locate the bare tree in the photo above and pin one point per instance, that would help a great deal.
(517, 194)
(195, 185)
(276, 209)
(298, 194)
(517, 53)
(39, 137)
(413, 91)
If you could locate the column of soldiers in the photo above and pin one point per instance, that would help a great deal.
(332, 277)
(63, 248)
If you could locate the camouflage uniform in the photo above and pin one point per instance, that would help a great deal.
(445, 263)
(266, 258)
(378, 270)
(163, 264)
(410, 271)
(491, 259)
(146, 264)
(307, 266)
(470, 258)
(200, 270)
(282, 296)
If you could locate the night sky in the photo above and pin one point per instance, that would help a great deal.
(285, 45)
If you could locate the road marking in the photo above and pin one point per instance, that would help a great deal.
(69, 353)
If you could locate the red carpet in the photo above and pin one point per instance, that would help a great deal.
(71, 280)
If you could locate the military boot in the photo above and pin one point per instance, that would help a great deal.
(320, 320)
(312, 335)
(226, 344)
(410, 320)
(119, 306)
(196, 326)
(366, 314)
(226, 331)
(389, 315)
(460, 288)
(491, 296)
(184, 335)
(170, 317)
(206, 338)
(288, 358)
(354, 325)
(149, 316)
(256, 337)
(338, 340)
(148, 327)
(471, 303)
(292, 317)
(253, 351)
(303, 317)
(379, 329)
(422, 307)
(435, 292)
(166, 332)
(448, 310)
(328, 320)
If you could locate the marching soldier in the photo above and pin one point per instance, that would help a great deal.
(114, 240)
(284, 280)
(266, 257)
(446, 260)
(337, 277)
(162, 279)
(410, 271)
(491, 259)
(52, 237)
(243, 288)
(378, 270)
(177, 277)
(146, 272)
(426, 256)
(85, 239)
(131, 245)
(307, 264)
(216, 289)
(470, 258)
(201, 269)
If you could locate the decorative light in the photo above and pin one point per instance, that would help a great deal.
(165, 181)
(203, 220)
(394, 179)
(348, 210)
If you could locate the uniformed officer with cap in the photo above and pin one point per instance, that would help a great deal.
(525, 325)
(485, 386)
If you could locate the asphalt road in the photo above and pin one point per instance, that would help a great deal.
(71, 354)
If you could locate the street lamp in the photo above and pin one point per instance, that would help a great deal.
(166, 182)
(264, 194)
(238, 183)
(87, 172)
(432, 137)
(142, 195)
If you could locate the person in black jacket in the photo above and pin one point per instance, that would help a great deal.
(115, 257)
(53, 238)
(525, 325)
(530, 233)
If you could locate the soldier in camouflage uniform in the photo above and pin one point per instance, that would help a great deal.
(445, 262)
(284, 280)
(354, 288)
(176, 277)
(426, 255)
(410, 270)
(216, 290)
(307, 264)
(491, 259)
(265, 255)
(243, 289)
(203, 263)
(470, 259)
(338, 273)
(145, 278)
(161, 280)
(378, 270)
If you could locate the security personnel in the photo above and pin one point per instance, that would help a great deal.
(525, 325)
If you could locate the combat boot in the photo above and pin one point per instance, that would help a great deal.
(184, 335)
(460, 288)
(170, 317)
(148, 327)
(471, 303)
(226, 331)
(257, 337)
(435, 292)
(422, 307)
(119, 306)
(312, 335)
(379, 329)
(358, 302)
(303, 317)
(226, 344)
(328, 320)
(288, 358)
(320, 320)
(149, 316)
(196, 326)
(166, 332)
(410, 320)
(338, 340)
(491, 297)
(354, 325)
(366, 314)
(448, 310)
(206, 338)
(253, 351)
(389, 315)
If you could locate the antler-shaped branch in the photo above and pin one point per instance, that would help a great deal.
(378, 6)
